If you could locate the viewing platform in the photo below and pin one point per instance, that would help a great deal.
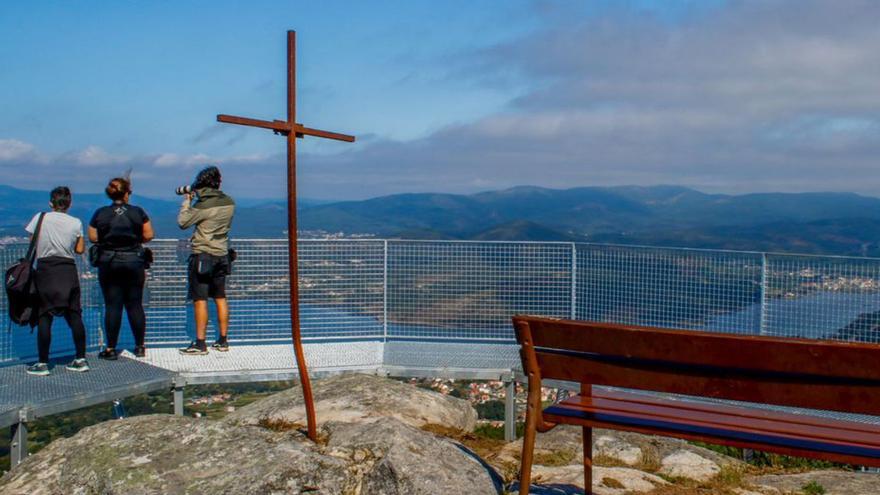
(432, 309)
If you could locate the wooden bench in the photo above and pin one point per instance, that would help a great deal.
(835, 376)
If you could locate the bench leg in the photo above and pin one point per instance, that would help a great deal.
(588, 460)
(525, 476)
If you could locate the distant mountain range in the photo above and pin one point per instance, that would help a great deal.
(830, 223)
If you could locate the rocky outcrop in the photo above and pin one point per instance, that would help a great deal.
(563, 445)
(606, 480)
(832, 482)
(686, 464)
(369, 445)
(637, 459)
(375, 438)
(162, 454)
(361, 398)
(398, 459)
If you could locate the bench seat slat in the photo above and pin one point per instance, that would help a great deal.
(744, 419)
(674, 420)
(716, 384)
(861, 431)
(687, 347)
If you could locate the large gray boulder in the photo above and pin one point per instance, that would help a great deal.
(397, 459)
(262, 451)
(563, 445)
(163, 454)
(359, 398)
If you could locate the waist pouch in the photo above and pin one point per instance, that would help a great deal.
(210, 265)
(103, 256)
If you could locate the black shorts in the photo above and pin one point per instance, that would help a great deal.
(207, 277)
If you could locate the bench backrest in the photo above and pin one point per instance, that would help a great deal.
(837, 376)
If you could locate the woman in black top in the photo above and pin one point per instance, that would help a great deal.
(120, 230)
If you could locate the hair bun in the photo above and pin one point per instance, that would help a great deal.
(117, 188)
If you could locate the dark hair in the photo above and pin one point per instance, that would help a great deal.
(60, 198)
(118, 188)
(208, 177)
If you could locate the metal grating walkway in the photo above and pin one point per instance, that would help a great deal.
(63, 390)
(266, 361)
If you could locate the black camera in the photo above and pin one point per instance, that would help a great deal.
(183, 190)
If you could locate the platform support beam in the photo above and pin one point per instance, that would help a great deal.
(509, 410)
(178, 400)
(18, 450)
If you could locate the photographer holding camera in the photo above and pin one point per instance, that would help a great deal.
(210, 262)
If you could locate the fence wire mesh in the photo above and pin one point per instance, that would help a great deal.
(822, 297)
(467, 291)
(19, 343)
(671, 288)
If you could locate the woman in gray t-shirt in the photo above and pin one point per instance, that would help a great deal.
(59, 240)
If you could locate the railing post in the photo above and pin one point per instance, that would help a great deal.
(18, 450)
(510, 409)
(385, 293)
(762, 322)
(178, 397)
(573, 312)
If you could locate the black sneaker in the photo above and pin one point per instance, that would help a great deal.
(221, 345)
(78, 365)
(108, 354)
(194, 350)
(140, 351)
(38, 369)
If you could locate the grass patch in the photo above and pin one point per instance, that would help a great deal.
(486, 430)
(813, 488)
(773, 461)
(612, 483)
(485, 446)
(555, 459)
(280, 425)
(726, 482)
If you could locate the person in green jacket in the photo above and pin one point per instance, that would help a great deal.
(210, 210)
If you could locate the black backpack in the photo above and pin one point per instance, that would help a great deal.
(21, 292)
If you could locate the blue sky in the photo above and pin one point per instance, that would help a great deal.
(449, 96)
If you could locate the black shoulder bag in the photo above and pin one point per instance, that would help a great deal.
(20, 289)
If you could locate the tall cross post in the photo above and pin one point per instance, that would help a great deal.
(292, 130)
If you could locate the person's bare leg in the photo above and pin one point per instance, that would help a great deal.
(201, 312)
(222, 316)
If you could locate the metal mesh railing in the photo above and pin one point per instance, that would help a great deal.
(822, 297)
(467, 291)
(671, 288)
(341, 291)
(19, 343)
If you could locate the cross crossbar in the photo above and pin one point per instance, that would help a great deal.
(284, 127)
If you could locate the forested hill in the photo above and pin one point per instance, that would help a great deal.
(831, 223)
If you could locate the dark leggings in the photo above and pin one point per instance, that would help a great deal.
(123, 287)
(44, 334)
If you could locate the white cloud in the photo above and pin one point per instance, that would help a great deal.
(95, 156)
(13, 149)
(166, 160)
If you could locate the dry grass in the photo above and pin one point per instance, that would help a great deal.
(555, 459)
(284, 426)
(649, 461)
(612, 483)
(280, 424)
(724, 483)
(487, 448)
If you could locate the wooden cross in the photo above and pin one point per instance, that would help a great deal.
(292, 130)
